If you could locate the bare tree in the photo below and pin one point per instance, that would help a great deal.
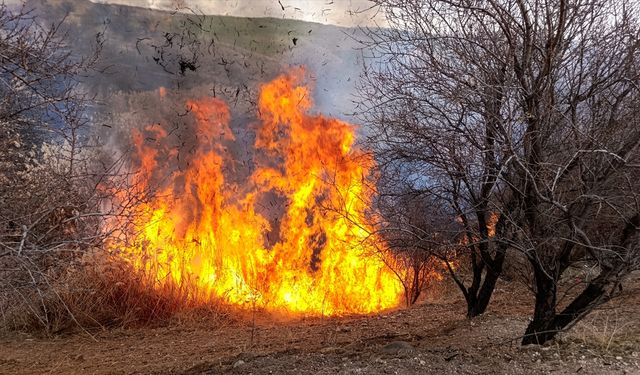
(525, 111)
(434, 129)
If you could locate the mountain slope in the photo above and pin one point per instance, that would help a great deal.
(146, 49)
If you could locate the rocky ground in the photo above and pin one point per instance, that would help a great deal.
(433, 337)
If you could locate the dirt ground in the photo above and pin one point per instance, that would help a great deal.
(433, 337)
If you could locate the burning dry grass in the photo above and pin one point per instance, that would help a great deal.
(182, 240)
(54, 272)
(96, 292)
(101, 291)
(295, 236)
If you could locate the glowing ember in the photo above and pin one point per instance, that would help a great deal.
(208, 238)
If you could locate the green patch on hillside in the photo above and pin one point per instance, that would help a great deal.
(268, 36)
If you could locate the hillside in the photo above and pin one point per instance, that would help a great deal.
(146, 49)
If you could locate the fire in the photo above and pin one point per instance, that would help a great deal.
(212, 239)
(491, 223)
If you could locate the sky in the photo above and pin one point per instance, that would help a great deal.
(335, 12)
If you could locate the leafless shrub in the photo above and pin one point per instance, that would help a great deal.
(423, 241)
(56, 194)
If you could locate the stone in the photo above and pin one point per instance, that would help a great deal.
(398, 347)
(330, 349)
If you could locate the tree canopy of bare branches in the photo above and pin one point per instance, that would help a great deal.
(522, 110)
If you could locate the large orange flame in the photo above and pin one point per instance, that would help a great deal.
(208, 237)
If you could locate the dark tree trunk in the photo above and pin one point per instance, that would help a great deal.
(479, 294)
(540, 329)
(484, 294)
(546, 325)
(478, 298)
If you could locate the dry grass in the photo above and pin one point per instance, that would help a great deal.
(99, 291)
(56, 274)
(605, 332)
